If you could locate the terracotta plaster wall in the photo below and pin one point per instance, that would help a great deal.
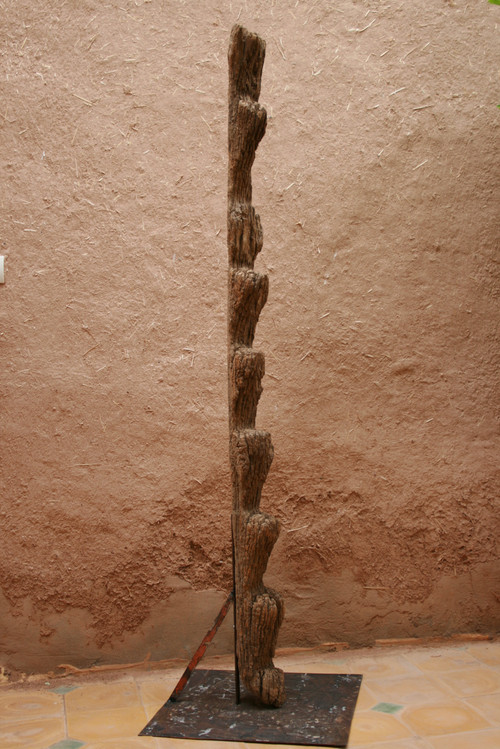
(377, 185)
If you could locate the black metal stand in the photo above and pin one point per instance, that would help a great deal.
(318, 711)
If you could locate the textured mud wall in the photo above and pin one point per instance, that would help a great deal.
(376, 185)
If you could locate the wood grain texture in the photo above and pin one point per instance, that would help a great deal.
(259, 610)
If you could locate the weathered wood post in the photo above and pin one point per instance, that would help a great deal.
(258, 610)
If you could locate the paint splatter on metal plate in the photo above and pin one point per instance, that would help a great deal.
(318, 711)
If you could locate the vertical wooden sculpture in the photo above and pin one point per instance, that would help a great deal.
(258, 610)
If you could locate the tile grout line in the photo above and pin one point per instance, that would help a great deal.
(140, 696)
(478, 709)
(141, 701)
(385, 744)
(444, 686)
(65, 717)
(454, 693)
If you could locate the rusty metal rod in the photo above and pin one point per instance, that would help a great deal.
(201, 650)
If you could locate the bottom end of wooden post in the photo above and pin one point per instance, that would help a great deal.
(269, 686)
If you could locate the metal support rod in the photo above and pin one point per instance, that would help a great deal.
(235, 625)
(201, 649)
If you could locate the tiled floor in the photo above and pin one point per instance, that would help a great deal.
(445, 696)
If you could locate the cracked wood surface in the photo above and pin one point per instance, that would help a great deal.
(259, 610)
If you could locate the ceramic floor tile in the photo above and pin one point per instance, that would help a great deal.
(369, 726)
(444, 659)
(67, 744)
(488, 705)
(366, 699)
(138, 742)
(409, 690)
(444, 717)
(476, 740)
(191, 744)
(93, 725)
(156, 693)
(160, 674)
(151, 709)
(29, 705)
(38, 733)
(317, 667)
(414, 743)
(387, 707)
(168, 673)
(64, 689)
(296, 663)
(487, 652)
(249, 745)
(103, 696)
(379, 667)
(472, 681)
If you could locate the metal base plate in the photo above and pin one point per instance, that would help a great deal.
(318, 711)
